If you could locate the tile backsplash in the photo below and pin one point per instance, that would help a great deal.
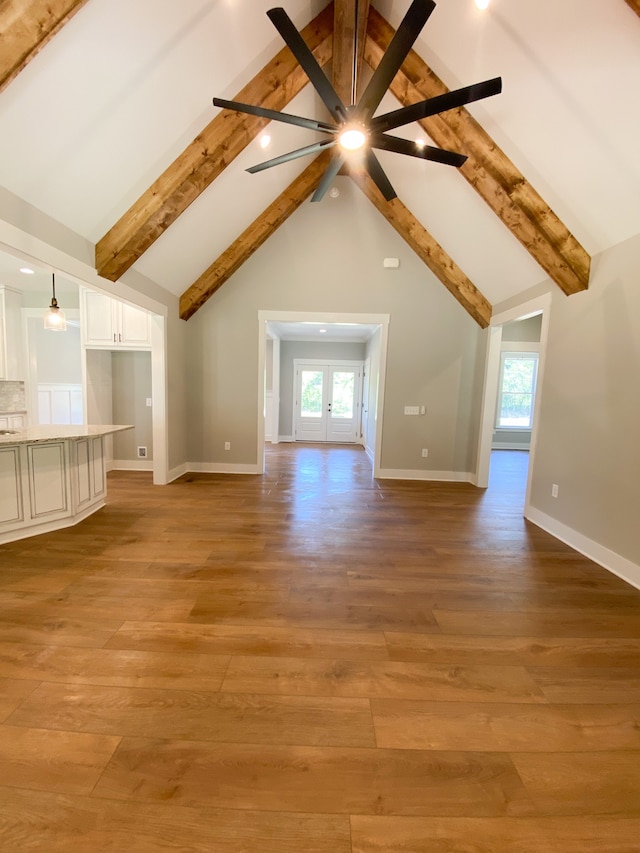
(12, 398)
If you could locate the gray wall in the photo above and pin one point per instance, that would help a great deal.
(349, 351)
(589, 431)
(523, 330)
(328, 258)
(131, 385)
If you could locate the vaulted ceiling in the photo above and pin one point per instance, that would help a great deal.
(108, 127)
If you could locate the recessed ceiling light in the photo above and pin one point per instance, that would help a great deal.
(265, 140)
(352, 138)
(482, 4)
(27, 271)
(420, 142)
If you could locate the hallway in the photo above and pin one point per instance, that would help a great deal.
(313, 660)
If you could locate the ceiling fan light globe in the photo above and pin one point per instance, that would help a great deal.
(352, 139)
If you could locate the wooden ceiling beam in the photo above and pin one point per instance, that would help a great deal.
(488, 169)
(635, 5)
(344, 33)
(209, 154)
(253, 237)
(429, 251)
(26, 26)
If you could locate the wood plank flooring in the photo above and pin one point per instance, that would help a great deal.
(312, 661)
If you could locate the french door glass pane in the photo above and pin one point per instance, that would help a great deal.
(343, 389)
(311, 394)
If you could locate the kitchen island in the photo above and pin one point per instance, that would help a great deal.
(51, 477)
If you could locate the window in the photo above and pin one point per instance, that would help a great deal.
(516, 390)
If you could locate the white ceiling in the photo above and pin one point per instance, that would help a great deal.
(125, 86)
(316, 331)
(40, 281)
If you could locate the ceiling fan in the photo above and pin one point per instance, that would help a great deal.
(355, 128)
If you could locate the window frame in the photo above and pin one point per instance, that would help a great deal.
(513, 350)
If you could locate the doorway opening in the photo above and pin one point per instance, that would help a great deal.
(344, 358)
(511, 398)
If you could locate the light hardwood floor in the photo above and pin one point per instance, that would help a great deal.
(312, 661)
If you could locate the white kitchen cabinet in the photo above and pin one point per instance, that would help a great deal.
(107, 323)
(10, 334)
(9, 421)
(88, 481)
(49, 482)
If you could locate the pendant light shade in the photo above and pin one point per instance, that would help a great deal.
(54, 319)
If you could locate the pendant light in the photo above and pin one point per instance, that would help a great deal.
(54, 319)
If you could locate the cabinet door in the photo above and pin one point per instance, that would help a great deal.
(98, 320)
(133, 327)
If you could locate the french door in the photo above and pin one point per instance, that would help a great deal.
(327, 401)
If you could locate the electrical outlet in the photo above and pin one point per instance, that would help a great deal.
(227, 445)
(149, 402)
(425, 452)
(142, 453)
(554, 490)
(412, 410)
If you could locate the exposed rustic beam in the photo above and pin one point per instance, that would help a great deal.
(635, 5)
(209, 154)
(345, 34)
(26, 26)
(488, 169)
(429, 251)
(253, 237)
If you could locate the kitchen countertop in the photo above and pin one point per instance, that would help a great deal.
(55, 432)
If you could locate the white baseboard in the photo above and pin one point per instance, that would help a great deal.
(176, 472)
(617, 565)
(49, 526)
(222, 468)
(131, 465)
(506, 445)
(412, 474)
(286, 438)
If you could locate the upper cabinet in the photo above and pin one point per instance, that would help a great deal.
(107, 323)
(10, 334)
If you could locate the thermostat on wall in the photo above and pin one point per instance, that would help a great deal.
(391, 263)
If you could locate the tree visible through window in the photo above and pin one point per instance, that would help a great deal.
(343, 392)
(311, 402)
(517, 388)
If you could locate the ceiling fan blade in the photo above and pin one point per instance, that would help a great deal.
(439, 104)
(297, 45)
(292, 155)
(274, 115)
(379, 177)
(424, 152)
(327, 179)
(394, 56)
